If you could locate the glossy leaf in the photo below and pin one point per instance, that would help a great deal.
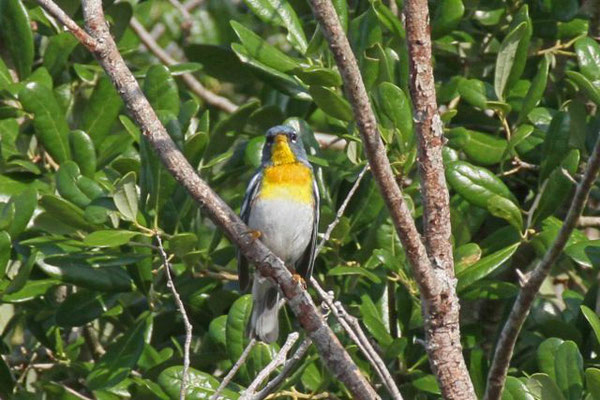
(514, 389)
(161, 89)
(331, 103)
(83, 307)
(200, 384)
(587, 87)
(484, 267)
(593, 320)
(109, 238)
(568, 365)
(544, 387)
(101, 110)
(588, 57)
(446, 17)
(537, 88)
(84, 153)
(506, 58)
(50, 124)
(15, 29)
(126, 197)
(592, 382)
(556, 144)
(5, 250)
(281, 13)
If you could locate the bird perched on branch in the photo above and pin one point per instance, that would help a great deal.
(281, 206)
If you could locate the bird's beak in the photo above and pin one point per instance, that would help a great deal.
(281, 138)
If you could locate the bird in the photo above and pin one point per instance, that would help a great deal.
(281, 208)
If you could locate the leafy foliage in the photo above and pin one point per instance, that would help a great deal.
(83, 194)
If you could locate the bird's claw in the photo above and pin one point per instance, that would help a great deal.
(299, 279)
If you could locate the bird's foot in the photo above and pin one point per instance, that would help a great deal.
(299, 279)
(254, 234)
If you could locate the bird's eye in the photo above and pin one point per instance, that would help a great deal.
(270, 140)
(293, 137)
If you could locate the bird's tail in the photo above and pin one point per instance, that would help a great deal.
(264, 323)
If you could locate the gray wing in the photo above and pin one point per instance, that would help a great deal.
(307, 261)
(243, 273)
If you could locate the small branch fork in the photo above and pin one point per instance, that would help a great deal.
(275, 362)
(238, 364)
(533, 281)
(186, 320)
(432, 264)
(101, 44)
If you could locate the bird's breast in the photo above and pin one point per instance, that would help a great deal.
(291, 182)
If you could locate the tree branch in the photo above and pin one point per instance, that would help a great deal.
(331, 350)
(530, 288)
(238, 364)
(436, 283)
(191, 82)
(275, 362)
(186, 320)
(285, 371)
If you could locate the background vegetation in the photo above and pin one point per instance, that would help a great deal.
(85, 306)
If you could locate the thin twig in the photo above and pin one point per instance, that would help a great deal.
(278, 360)
(191, 82)
(347, 321)
(534, 280)
(64, 19)
(231, 374)
(289, 366)
(186, 321)
(341, 210)
(92, 341)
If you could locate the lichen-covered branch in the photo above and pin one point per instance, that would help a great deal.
(432, 266)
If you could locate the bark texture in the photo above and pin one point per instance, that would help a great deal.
(432, 266)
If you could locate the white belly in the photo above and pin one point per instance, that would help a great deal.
(285, 226)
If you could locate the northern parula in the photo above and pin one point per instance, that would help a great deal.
(281, 206)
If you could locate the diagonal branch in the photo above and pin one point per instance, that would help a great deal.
(331, 350)
(436, 281)
(191, 82)
(530, 288)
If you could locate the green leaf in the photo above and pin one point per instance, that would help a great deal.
(593, 319)
(586, 253)
(592, 382)
(318, 76)
(84, 153)
(58, 51)
(280, 13)
(120, 357)
(331, 103)
(65, 212)
(446, 17)
(15, 30)
(557, 187)
(506, 58)
(514, 389)
(484, 267)
(106, 278)
(109, 238)
(372, 320)
(219, 62)
(342, 270)
(544, 387)
(101, 110)
(6, 379)
(588, 57)
(126, 197)
(477, 185)
(568, 365)
(161, 89)
(5, 77)
(387, 18)
(427, 384)
(262, 51)
(82, 307)
(5, 250)
(396, 106)
(556, 144)
(504, 208)
(49, 120)
(235, 329)
(66, 184)
(480, 147)
(537, 88)
(474, 92)
(200, 384)
(587, 87)
(273, 77)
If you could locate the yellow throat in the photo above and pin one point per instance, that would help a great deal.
(287, 178)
